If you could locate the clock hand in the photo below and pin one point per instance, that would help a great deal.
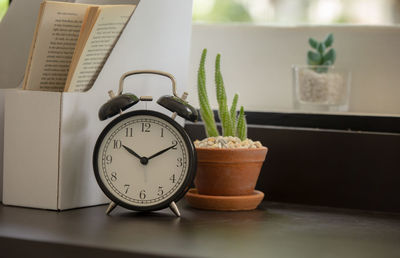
(162, 151)
(131, 152)
(143, 160)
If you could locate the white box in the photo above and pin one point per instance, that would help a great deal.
(2, 93)
(49, 136)
(48, 144)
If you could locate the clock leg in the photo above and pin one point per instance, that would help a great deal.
(110, 208)
(175, 209)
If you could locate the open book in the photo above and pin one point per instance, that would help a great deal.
(71, 44)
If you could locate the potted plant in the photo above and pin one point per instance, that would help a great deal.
(319, 85)
(228, 164)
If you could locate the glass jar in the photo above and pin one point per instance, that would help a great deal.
(321, 88)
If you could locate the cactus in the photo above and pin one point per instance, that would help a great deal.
(321, 55)
(241, 130)
(233, 124)
(233, 111)
(224, 114)
(205, 108)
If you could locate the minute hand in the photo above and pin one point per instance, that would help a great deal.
(162, 151)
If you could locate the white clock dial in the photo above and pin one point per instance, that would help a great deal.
(143, 160)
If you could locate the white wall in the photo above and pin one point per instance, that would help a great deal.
(256, 62)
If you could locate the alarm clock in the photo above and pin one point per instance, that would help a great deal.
(144, 160)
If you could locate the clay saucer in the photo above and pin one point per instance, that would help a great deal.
(224, 203)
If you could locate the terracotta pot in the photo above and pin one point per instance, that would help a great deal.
(228, 172)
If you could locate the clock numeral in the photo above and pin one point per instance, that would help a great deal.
(129, 132)
(162, 132)
(160, 191)
(142, 194)
(108, 159)
(172, 178)
(114, 176)
(126, 188)
(176, 145)
(117, 144)
(179, 162)
(146, 127)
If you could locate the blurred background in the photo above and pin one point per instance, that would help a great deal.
(3, 7)
(290, 12)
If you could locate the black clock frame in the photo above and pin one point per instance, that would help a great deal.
(191, 172)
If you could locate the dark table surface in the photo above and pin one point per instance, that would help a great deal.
(273, 230)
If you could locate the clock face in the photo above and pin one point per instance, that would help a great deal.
(143, 160)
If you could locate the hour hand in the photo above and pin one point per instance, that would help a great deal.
(131, 152)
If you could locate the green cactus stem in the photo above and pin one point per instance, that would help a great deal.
(233, 124)
(205, 108)
(321, 56)
(241, 130)
(224, 115)
(233, 112)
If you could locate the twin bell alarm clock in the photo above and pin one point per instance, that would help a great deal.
(144, 160)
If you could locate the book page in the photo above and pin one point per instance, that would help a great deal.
(53, 45)
(87, 26)
(109, 25)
